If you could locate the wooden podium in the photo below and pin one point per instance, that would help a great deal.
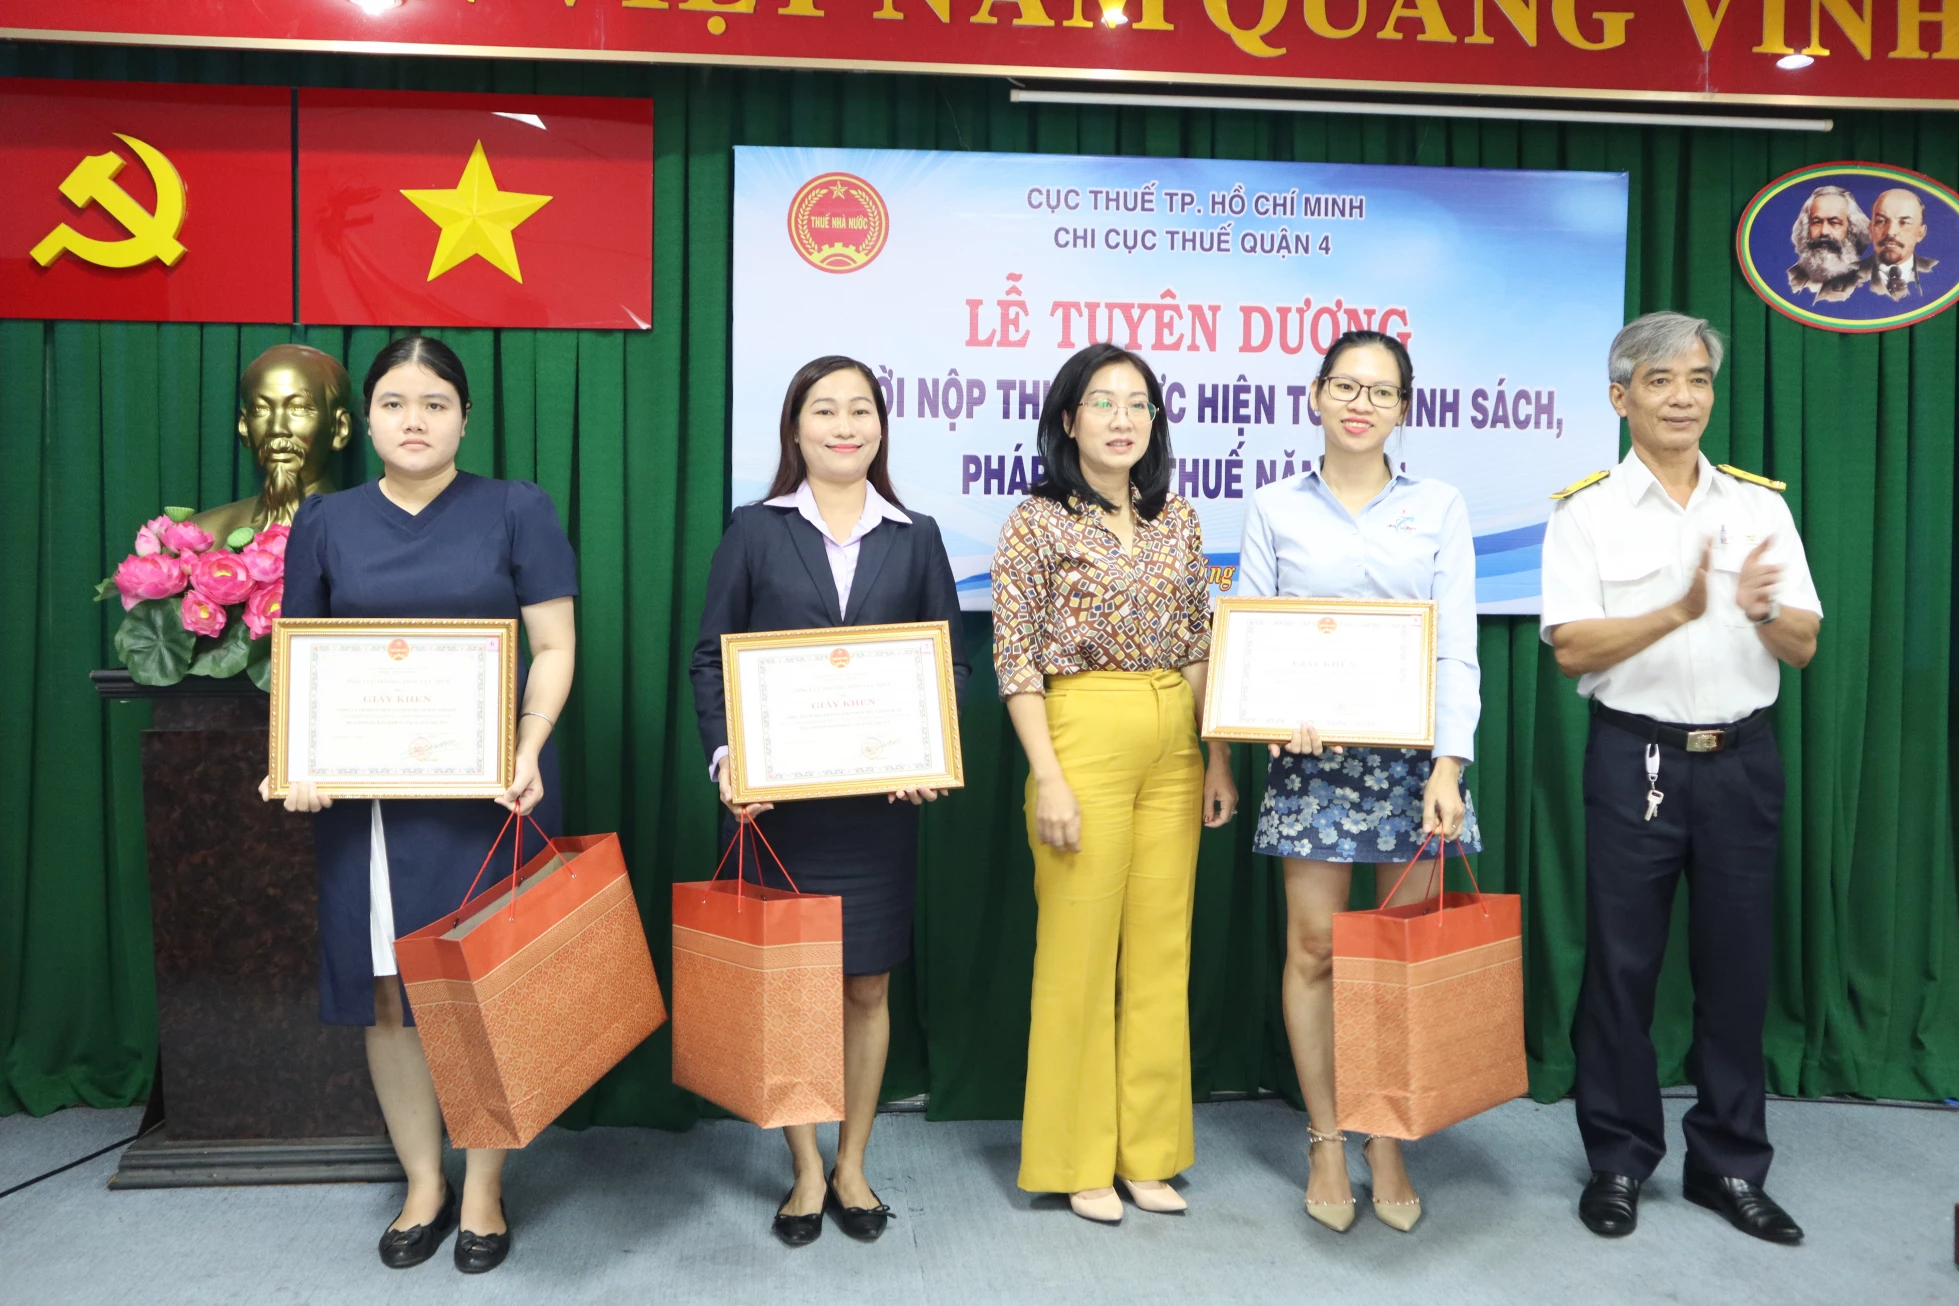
(260, 1092)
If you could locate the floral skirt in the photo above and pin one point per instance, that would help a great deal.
(1364, 805)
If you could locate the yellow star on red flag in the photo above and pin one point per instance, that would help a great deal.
(476, 219)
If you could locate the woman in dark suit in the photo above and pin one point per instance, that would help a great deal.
(830, 546)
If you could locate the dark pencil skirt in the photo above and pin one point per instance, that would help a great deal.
(865, 851)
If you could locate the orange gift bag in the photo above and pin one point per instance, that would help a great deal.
(1428, 1009)
(531, 990)
(758, 994)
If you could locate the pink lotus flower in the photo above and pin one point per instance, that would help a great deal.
(149, 537)
(185, 537)
(220, 576)
(266, 560)
(201, 616)
(152, 576)
(262, 609)
(272, 539)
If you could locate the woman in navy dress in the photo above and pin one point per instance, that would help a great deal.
(426, 540)
(830, 546)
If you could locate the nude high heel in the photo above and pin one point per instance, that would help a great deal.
(1153, 1195)
(1337, 1216)
(1099, 1204)
(1399, 1216)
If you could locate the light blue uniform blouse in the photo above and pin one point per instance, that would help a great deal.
(1411, 541)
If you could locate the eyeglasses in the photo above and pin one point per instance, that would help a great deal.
(1140, 410)
(1344, 389)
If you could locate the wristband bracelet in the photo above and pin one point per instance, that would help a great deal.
(540, 716)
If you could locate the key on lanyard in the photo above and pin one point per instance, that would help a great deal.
(1653, 795)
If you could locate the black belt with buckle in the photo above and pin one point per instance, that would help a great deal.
(1694, 739)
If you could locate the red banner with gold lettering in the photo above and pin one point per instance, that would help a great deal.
(475, 210)
(1869, 53)
(145, 203)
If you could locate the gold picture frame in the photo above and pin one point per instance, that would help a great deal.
(1235, 656)
(484, 649)
(810, 769)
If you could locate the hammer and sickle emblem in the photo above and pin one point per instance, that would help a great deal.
(151, 235)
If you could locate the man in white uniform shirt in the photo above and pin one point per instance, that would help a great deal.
(1674, 590)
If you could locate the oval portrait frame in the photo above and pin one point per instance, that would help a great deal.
(1872, 175)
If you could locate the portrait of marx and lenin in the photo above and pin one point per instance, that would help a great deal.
(1868, 248)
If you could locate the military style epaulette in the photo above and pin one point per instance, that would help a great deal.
(1584, 482)
(1752, 478)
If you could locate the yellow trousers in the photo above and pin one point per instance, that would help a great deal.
(1108, 1056)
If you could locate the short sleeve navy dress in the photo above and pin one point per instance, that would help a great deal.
(482, 548)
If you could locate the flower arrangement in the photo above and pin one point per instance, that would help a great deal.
(195, 607)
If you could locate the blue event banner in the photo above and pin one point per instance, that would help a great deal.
(965, 280)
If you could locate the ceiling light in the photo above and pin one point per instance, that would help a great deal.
(375, 8)
(1112, 15)
(1794, 61)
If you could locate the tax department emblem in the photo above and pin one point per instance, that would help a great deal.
(838, 222)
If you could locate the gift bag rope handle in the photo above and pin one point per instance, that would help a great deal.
(516, 862)
(739, 847)
(1435, 874)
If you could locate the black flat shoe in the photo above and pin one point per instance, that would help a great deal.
(864, 1223)
(1609, 1205)
(796, 1230)
(403, 1249)
(479, 1253)
(1747, 1207)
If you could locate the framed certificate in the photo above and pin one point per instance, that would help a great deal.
(1360, 671)
(386, 708)
(841, 710)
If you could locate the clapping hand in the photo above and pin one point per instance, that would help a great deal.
(1758, 582)
(1694, 601)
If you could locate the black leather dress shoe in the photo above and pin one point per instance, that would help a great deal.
(796, 1230)
(1747, 1207)
(1609, 1205)
(479, 1253)
(403, 1249)
(865, 1223)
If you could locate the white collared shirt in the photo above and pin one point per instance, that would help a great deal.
(1623, 548)
(843, 557)
(1411, 541)
(1907, 270)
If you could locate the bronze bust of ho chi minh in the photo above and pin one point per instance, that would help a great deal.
(293, 415)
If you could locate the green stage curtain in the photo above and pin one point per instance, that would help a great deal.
(102, 424)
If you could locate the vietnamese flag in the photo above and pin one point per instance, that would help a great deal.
(475, 210)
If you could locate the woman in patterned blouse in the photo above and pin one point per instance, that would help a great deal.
(1101, 626)
(1355, 525)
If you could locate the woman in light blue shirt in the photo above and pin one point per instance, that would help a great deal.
(1355, 526)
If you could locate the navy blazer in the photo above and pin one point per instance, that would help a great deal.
(771, 571)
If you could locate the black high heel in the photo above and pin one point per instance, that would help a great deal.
(864, 1223)
(403, 1249)
(479, 1253)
